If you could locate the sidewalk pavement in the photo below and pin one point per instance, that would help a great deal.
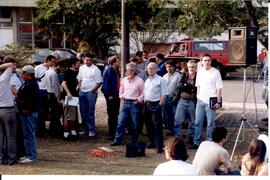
(229, 116)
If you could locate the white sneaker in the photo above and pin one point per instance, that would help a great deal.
(91, 134)
(83, 132)
(26, 160)
(22, 158)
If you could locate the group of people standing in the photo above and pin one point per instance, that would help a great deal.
(161, 94)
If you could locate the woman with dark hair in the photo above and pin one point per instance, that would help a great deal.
(176, 153)
(253, 162)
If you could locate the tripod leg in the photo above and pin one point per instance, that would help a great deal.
(253, 128)
(238, 134)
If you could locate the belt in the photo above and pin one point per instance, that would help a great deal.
(11, 107)
(188, 99)
(130, 100)
(152, 101)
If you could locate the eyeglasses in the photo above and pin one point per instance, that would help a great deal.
(191, 66)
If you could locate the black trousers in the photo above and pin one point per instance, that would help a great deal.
(55, 127)
(153, 123)
(113, 112)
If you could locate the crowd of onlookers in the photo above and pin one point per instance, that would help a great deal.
(154, 93)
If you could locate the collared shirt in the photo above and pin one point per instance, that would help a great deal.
(132, 89)
(143, 65)
(90, 77)
(208, 82)
(172, 81)
(155, 87)
(6, 97)
(52, 82)
(40, 71)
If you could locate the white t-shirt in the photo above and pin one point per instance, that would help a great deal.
(208, 82)
(175, 167)
(207, 158)
(15, 81)
(40, 70)
(90, 77)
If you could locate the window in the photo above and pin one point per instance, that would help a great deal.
(209, 46)
(5, 14)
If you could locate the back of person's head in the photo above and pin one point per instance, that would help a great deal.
(8, 59)
(176, 149)
(160, 56)
(218, 134)
(134, 60)
(72, 61)
(49, 58)
(139, 53)
(257, 151)
(113, 60)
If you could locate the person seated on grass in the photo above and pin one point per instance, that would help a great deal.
(211, 157)
(253, 163)
(176, 153)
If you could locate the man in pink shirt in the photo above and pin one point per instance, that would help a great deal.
(131, 95)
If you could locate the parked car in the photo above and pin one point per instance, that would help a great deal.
(41, 54)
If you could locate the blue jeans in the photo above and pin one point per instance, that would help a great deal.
(128, 109)
(203, 109)
(29, 123)
(87, 102)
(8, 133)
(184, 107)
(168, 112)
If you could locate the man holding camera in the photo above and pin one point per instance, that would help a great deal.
(186, 105)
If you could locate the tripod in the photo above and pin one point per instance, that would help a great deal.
(243, 119)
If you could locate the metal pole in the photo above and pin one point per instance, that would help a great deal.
(125, 38)
(64, 35)
(33, 30)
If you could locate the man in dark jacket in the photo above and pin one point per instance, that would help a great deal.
(28, 95)
(110, 88)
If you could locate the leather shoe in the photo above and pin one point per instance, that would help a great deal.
(151, 146)
(115, 143)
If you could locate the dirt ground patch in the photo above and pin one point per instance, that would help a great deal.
(58, 157)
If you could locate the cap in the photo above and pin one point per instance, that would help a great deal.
(29, 69)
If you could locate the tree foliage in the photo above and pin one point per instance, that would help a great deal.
(208, 18)
(93, 21)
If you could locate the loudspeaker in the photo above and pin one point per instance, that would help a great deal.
(242, 45)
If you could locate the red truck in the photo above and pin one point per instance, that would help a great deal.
(190, 49)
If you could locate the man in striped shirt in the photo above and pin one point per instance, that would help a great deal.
(8, 125)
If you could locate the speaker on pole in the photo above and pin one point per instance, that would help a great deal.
(242, 45)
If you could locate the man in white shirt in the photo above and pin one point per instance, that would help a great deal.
(155, 90)
(8, 129)
(90, 80)
(209, 84)
(211, 155)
